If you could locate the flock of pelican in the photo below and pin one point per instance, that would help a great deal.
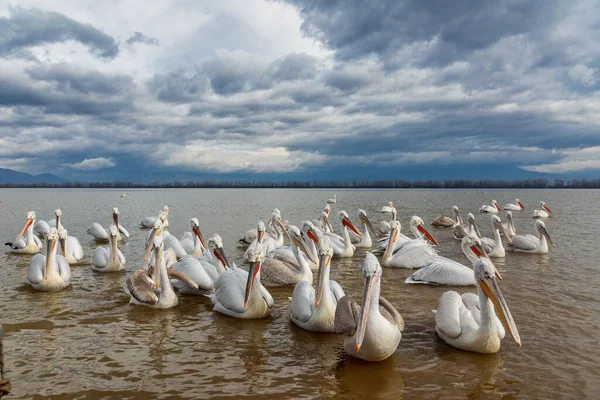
(191, 265)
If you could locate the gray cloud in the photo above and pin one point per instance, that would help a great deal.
(139, 37)
(25, 28)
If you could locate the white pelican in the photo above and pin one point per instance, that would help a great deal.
(509, 226)
(240, 294)
(193, 242)
(373, 331)
(314, 309)
(41, 227)
(515, 207)
(32, 244)
(123, 194)
(364, 242)
(460, 229)
(152, 288)
(411, 253)
(530, 243)
(148, 222)
(543, 213)
(267, 241)
(70, 248)
(101, 234)
(278, 270)
(49, 273)
(111, 259)
(310, 232)
(417, 229)
(493, 247)
(493, 209)
(346, 248)
(251, 234)
(441, 221)
(468, 322)
(444, 271)
(332, 201)
(384, 226)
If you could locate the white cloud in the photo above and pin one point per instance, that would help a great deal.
(573, 160)
(584, 75)
(91, 164)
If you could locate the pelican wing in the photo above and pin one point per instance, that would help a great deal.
(38, 242)
(193, 268)
(230, 289)
(471, 303)
(267, 297)
(443, 271)
(142, 288)
(390, 313)
(279, 272)
(74, 247)
(101, 257)
(443, 221)
(346, 316)
(171, 242)
(303, 302)
(413, 254)
(148, 222)
(123, 231)
(41, 227)
(187, 242)
(35, 270)
(121, 257)
(460, 231)
(249, 237)
(183, 278)
(98, 232)
(337, 290)
(523, 242)
(63, 268)
(447, 317)
(384, 227)
(17, 244)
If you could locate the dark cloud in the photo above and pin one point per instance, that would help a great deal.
(139, 37)
(25, 28)
(179, 86)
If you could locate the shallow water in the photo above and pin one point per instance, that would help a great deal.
(88, 342)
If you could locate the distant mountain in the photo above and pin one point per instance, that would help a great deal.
(9, 176)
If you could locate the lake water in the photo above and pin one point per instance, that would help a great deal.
(88, 342)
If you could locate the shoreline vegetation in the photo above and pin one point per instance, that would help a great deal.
(381, 184)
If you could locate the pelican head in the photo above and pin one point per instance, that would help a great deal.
(455, 210)
(541, 228)
(543, 206)
(260, 231)
(296, 239)
(495, 204)
(195, 225)
(473, 224)
(116, 215)
(310, 230)
(371, 271)
(346, 222)
(486, 278)
(256, 256)
(419, 225)
(276, 218)
(30, 218)
(394, 231)
(362, 215)
(497, 224)
(327, 209)
(165, 210)
(472, 245)
(215, 244)
(520, 204)
(58, 212)
(276, 211)
(152, 240)
(325, 252)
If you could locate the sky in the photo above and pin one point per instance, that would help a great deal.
(300, 89)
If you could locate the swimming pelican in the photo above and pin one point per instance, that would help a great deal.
(444, 271)
(278, 270)
(493, 209)
(515, 207)
(240, 294)
(193, 242)
(69, 248)
(49, 273)
(148, 222)
(493, 247)
(102, 235)
(32, 244)
(385, 226)
(152, 288)
(543, 213)
(345, 249)
(412, 253)
(332, 201)
(373, 331)
(530, 243)
(442, 221)
(268, 242)
(314, 309)
(364, 242)
(460, 229)
(251, 234)
(41, 226)
(417, 229)
(468, 322)
(111, 259)
(509, 226)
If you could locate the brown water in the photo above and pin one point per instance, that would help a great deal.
(88, 342)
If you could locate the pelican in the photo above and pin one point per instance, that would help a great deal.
(344, 249)
(148, 222)
(411, 253)
(240, 294)
(70, 248)
(364, 242)
(32, 244)
(442, 221)
(102, 235)
(152, 288)
(543, 213)
(385, 226)
(193, 242)
(373, 331)
(251, 234)
(509, 226)
(515, 207)
(460, 229)
(268, 242)
(493, 209)
(417, 229)
(468, 322)
(278, 270)
(332, 201)
(493, 247)
(41, 227)
(314, 309)
(530, 243)
(444, 271)
(111, 259)
(49, 273)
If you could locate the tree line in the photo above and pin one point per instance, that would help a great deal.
(332, 184)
